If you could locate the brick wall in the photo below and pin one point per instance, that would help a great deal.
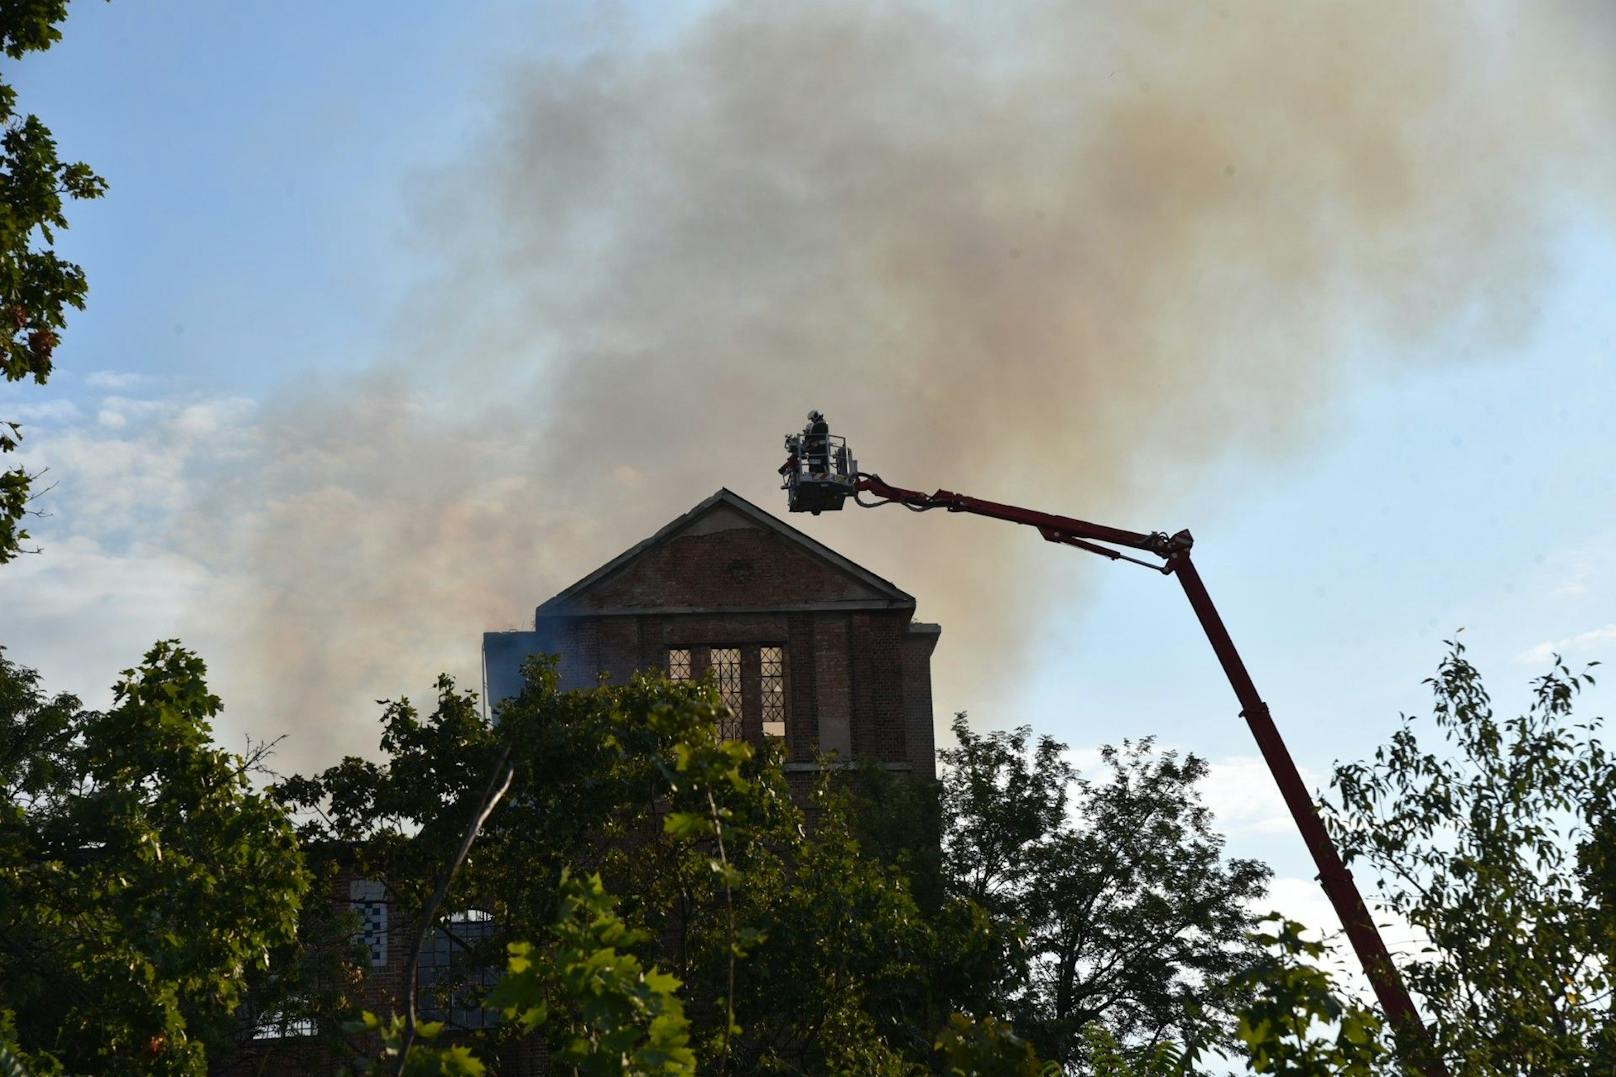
(857, 681)
(919, 640)
(382, 993)
(858, 673)
(741, 566)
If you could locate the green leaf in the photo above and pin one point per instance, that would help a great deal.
(687, 825)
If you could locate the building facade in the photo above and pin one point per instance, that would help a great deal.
(803, 643)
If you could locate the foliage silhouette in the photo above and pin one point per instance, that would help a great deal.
(36, 285)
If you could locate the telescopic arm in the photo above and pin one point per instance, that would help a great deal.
(1174, 552)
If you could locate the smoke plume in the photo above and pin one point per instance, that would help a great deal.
(1037, 255)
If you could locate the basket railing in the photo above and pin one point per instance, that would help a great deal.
(820, 457)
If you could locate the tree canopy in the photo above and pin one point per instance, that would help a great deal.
(1495, 844)
(141, 875)
(1133, 918)
(37, 286)
(661, 900)
(842, 971)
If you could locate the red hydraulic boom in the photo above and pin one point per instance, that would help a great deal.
(820, 475)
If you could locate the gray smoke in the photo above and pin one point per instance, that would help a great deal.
(1037, 255)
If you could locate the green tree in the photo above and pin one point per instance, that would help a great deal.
(624, 1015)
(1000, 806)
(140, 874)
(898, 820)
(1133, 918)
(624, 1018)
(1297, 1021)
(36, 285)
(299, 1000)
(988, 1048)
(1496, 845)
(797, 952)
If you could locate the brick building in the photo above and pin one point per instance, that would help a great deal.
(804, 643)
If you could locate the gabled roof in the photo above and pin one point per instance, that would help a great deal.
(883, 593)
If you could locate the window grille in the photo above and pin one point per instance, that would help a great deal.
(726, 663)
(454, 977)
(678, 663)
(368, 898)
(772, 666)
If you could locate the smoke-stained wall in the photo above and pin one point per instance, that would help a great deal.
(853, 670)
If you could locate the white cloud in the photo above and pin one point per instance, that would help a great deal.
(1304, 900)
(133, 407)
(1243, 798)
(113, 577)
(77, 577)
(43, 411)
(1574, 582)
(1594, 640)
(135, 466)
(1086, 760)
(112, 379)
(80, 612)
(1239, 790)
(210, 417)
(184, 517)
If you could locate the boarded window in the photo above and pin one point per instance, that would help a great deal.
(772, 681)
(726, 665)
(678, 663)
(368, 898)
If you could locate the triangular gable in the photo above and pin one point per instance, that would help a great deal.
(806, 573)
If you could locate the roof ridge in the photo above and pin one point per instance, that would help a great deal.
(560, 601)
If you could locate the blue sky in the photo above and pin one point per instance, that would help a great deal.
(1476, 499)
(254, 157)
(298, 199)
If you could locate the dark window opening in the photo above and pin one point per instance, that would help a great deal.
(285, 1024)
(455, 972)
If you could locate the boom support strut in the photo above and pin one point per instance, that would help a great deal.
(1174, 552)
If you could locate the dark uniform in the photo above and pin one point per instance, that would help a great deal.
(816, 446)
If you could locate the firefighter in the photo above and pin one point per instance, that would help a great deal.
(816, 443)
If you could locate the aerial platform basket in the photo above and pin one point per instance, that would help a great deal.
(819, 474)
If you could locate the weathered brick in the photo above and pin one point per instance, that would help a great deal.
(727, 574)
